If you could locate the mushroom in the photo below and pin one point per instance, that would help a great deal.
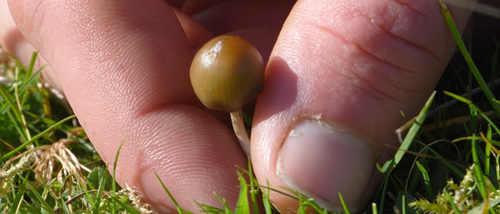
(226, 73)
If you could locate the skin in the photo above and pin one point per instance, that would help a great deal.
(124, 67)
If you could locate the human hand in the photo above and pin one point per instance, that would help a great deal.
(338, 76)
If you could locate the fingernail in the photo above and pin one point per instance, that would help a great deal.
(321, 160)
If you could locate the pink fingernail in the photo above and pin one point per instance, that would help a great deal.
(321, 160)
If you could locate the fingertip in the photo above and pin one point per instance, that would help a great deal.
(348, 77)
(193, 153)
(196, 34)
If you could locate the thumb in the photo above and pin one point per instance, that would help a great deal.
(339, 76)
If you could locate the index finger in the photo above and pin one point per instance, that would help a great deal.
(123, 66)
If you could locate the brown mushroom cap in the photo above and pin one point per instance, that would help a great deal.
(226, 73)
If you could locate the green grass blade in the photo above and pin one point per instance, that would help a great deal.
(27, 82)
(226, 210)
(17, 125)
(254, 187)
(89, 197)
(20, 194)
(242, 206)
(450, 201)
(487, 153)
(479, 173)
(41, 200)
(458, 97)
(427, 180)
(384, 192)
(36, 137)
(30, 81)
(28, 208)
(10, 103)
(403, 204)
(410, 137)
(113, 208)
(474, 108)
(126, 207)
(179, 209)
(100, 190)
(31, 66)
(346, 210)
(374, 208)
(497, 168)
(29, 76)
(266, 200)
(467, 57)
(59, 201)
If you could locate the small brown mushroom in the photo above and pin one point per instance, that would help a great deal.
(226, 73)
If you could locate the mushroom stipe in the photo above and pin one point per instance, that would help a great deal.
(226, 73)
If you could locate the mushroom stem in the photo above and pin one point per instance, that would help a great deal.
(240, 131)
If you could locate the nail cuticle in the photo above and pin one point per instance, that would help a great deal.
(319, 118)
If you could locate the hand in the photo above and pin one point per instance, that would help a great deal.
(338, 76)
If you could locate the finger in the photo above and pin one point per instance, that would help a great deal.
(230, 16)
(196, 6)
(9, 34)
(13, 42)
(196, 34)
(337, 79)
(124, 69)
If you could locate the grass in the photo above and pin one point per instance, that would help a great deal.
(448, 161)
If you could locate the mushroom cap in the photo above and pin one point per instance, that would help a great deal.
(226, 73)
